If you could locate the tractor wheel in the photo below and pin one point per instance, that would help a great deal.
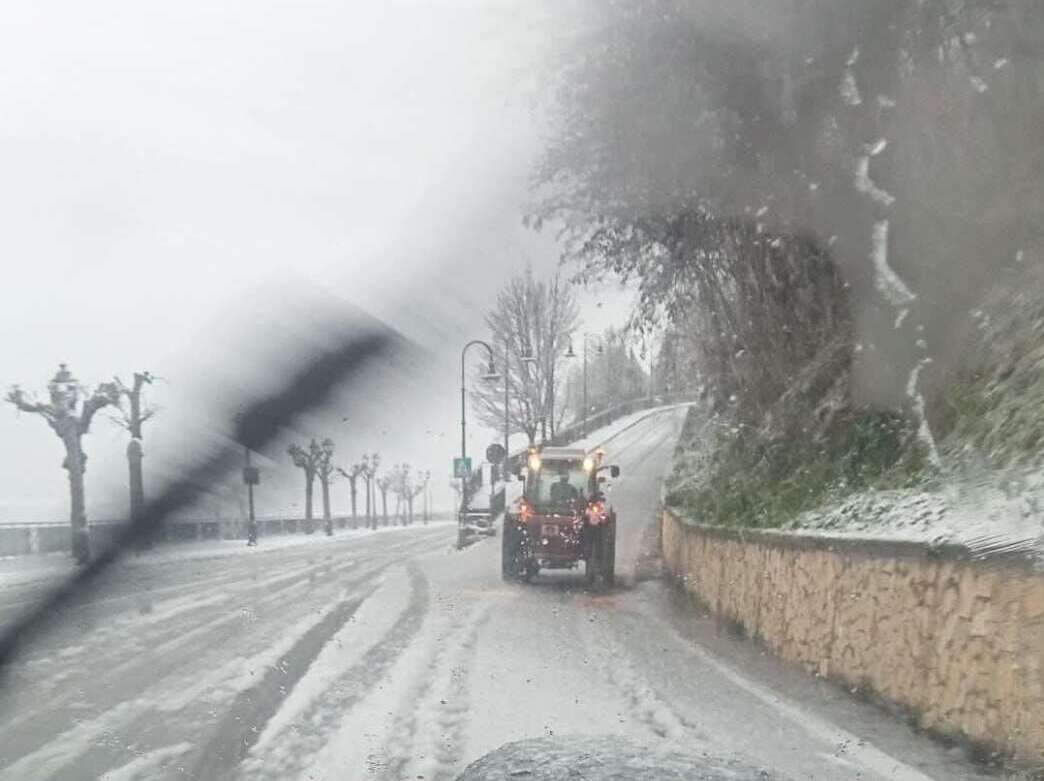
(610, 554)
(529, 571)
(591, 559)
(511, 564)
(599, 572)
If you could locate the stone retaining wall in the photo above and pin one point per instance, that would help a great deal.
(957, 641)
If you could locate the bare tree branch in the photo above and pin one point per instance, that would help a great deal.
(107, 393)
(25, 403)
(531, 325)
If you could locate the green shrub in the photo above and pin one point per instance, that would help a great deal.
(752, 483)
(999, 418)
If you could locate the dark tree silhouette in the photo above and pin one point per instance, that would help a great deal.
(70, 425)
(132, 415)
(406, 489)
(325, 470)
(384, 483)
(370, 463)
(307, 460)
(352, 473)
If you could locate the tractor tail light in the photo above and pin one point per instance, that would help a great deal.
(596, 512)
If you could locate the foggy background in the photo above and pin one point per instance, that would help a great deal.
(181, 180)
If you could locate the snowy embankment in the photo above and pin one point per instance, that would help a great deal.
(601, 436)
(981, 516)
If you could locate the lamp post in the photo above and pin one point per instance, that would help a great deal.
(490, 375)
(570, 354)
(250, 477)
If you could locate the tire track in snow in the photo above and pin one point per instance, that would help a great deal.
(645, 705)
(151, 591)
(428, 737)
(130, 653)
(36, 725)
(32, 737)
(297, 745)
(243, 721)
(71, 753)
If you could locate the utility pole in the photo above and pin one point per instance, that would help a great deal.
(491, 375)
(507, 398)
(250, 477)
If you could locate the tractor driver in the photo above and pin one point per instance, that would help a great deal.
(563, 492)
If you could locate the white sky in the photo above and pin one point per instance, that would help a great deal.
(167, 168)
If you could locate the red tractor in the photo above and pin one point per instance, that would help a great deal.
(562, 518)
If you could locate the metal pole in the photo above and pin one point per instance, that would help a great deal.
(463, 453)
(551, 410)
(507, 399)
(252, 526)
(464, 430)
(585, 386)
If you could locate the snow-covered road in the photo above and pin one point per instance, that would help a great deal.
(393, 656)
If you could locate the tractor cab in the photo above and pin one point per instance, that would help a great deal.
(562, 517)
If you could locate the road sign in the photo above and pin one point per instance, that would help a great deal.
(495, 453)
(251, 475)
(461, 467)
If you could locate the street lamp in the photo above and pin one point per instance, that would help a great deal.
(64, 389)
(570, 353)
(491, 375)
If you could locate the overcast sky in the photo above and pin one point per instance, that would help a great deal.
(172, 173)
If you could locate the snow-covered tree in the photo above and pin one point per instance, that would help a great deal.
(531, 324)
(70, 420)
(811, 194)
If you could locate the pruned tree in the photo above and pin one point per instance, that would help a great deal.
(352, 474)
(413, 491)
(132, 414)
(531, 324)
(384, 484)
(407, 488)
(70, 420)
(370, 464)
(324, 470)
(308, 460)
